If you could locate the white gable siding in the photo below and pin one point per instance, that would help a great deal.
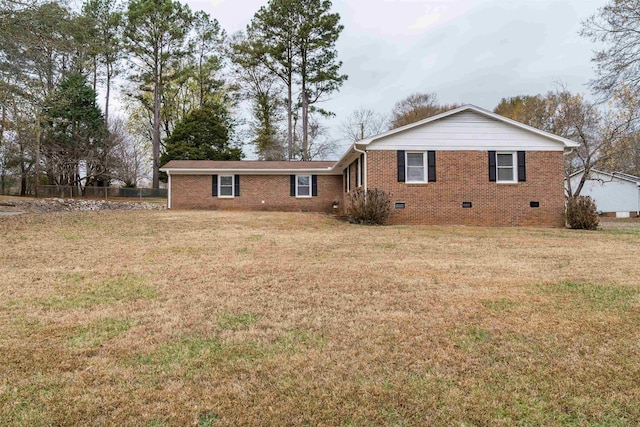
(466, 131)
(609, 193)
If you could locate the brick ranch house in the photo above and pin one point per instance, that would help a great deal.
(465, 166)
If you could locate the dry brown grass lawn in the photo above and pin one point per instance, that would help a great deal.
(212, 318)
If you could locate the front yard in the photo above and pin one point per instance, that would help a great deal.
(222, 318)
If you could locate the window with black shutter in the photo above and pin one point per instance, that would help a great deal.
(401, 171)
(492, 166)
(522, 166)
(431, 165)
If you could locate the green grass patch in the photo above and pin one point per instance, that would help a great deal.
(499, 305)
(208, 419)
(193, 353)
(80, 292)
(469, 338)
(622, 231)
(99, 332)
(598, 297)
(237, 321)
(73, 236)
(386, 245)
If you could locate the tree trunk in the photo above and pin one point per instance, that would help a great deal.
(155, 136)
(305, 109)
(305, 123)
(290, 118)
(106, 102)
(37, 162)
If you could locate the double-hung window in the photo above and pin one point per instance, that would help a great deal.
(225, 186)
(506, 169)
(416, 167)
(303, 185)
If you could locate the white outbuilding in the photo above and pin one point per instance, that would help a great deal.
(614, 193)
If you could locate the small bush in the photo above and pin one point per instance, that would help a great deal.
(581, 213)
(371, 207)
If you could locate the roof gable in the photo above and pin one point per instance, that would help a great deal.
(467, 127)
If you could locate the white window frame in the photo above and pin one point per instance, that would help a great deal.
(310, 186)
(359, 172)
(233, 186)
(424, 167)
(514, 162)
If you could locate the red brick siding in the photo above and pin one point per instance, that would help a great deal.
(462, 176)
(194, 192)
(353, 174)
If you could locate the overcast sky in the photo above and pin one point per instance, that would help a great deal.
(466, 51)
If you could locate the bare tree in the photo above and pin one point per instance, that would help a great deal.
(362, 123)
(617, 25)
(128, 158)
(603, 131)
(320, 144)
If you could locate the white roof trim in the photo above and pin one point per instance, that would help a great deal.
(242, 171)
(619, 175)
(566, 142)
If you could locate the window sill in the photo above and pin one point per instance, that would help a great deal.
(303, 197)
(507, 182)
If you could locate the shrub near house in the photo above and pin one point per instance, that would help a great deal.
(465, 166)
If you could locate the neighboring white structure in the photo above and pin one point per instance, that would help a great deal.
(616, 192)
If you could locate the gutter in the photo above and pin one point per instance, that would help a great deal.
(168, 189)
(364, 171)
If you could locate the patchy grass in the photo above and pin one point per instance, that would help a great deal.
(162, 318)
(80, 292)
(237, 321)
(598, 297)
(98, 332)
(501, 304)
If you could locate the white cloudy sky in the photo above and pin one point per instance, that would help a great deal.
(467, 51)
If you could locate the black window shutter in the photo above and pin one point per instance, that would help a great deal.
(492, 166)
(401, 177)
(236, 185)
(431, 162)
(314, 185)
(522, 167)
(292, 185)
(214, 185)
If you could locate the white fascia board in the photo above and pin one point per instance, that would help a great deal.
(349, 156)
(566, 142)
(466, 148)
(205, 171)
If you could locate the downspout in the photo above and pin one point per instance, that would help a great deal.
(168, 189)
(568, 190)
(363, 167)
(638, 202)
